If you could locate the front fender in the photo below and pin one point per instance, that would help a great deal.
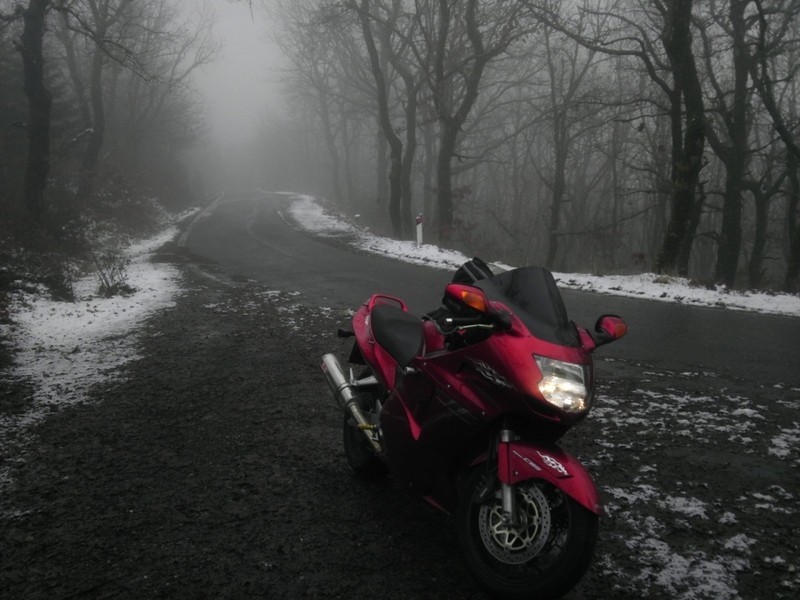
(518, 461)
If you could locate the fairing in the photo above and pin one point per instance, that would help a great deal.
(383, 365)
(520, 460)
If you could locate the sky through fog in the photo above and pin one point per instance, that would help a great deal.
(241, 87)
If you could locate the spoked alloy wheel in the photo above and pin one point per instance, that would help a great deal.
(523, 542)
(542, 556)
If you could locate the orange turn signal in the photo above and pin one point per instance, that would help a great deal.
(473, 300)
(468, 296)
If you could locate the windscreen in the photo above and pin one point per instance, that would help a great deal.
(531, 293)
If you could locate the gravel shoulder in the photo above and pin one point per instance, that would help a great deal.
(213, 469)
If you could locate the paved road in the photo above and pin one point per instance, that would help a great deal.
(213, 465)
(246, 236)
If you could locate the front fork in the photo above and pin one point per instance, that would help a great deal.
(507, 495)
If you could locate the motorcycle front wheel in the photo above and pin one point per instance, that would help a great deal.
(543, 556)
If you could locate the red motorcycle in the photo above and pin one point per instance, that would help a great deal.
(466, 405)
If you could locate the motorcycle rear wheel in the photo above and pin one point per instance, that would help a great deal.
(543, 557)
(360, 456)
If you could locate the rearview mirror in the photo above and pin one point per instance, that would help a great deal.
(609, 328)
(460, 296)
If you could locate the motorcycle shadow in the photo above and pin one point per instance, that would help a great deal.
(410, 546)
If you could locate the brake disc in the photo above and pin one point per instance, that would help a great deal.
(516, 544)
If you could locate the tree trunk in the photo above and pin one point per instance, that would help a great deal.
(685, 250)
(452, 118)
(412, 87)
(384, 119)
(330, 143)
(734, 156)
(78, 86)
(755, 269)
(396, 194)
(730, 239)
(559, 190)
(427, 176)
(39, 103)
(760, 72)
(96, 139)
(616, 144)
(444, 182)
(687, 158)
(792, 280)
(407, 168)
(381, 173)
(348, 139)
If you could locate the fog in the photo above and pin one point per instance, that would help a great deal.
(539, 154)
(495, 120)
(241, 96)
(241, 87)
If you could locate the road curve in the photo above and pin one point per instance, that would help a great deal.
(248, 236)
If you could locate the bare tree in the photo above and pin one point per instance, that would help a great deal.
(689, 142)
(39, 104)
(567, 69)
(155, 101)
(767, 47)
(545, 153)
(307, 44)
(400, 222)
(463, 39)
(730, 106)
(95, 19)
(396, 33)
(764, 190)
(672, 20)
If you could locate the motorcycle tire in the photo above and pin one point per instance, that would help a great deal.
(543, 557)
(365, 464)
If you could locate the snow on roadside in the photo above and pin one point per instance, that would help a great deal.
(63, 348)
(307, 211)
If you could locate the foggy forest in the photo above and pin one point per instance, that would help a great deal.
(598, 136)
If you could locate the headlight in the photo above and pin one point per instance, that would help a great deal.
(563, 384)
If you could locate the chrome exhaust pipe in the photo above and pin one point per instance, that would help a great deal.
(346, 398)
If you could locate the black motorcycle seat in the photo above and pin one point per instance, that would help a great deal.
(397, 332)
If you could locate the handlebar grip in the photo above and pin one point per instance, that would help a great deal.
(461, 321)
(449, 324)
(500, 320)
